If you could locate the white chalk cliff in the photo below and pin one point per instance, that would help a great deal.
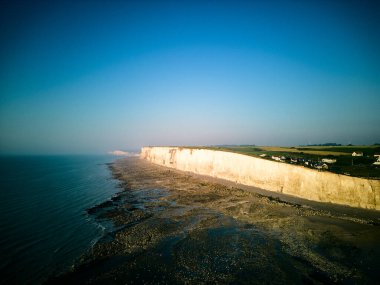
(270, 175)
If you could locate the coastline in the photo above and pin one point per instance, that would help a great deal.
(175, 227)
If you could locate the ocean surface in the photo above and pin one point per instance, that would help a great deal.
(43, 219)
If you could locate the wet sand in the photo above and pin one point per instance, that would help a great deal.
(174, 227)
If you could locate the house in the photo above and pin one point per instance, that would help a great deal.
(285, 159)
(276, 158)
(293, 160)
(377, 162)
(357, 153)
(328, 160)
(321, 166)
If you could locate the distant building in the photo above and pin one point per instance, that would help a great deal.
(357, 153)
(263, 155)
(321, 166)
(329, 160)
(276, 158)
(378, 159)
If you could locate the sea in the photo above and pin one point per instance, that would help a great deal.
(43, 219)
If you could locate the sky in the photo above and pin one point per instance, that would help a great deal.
(95, 76)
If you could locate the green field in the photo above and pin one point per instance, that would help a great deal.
(345, 162)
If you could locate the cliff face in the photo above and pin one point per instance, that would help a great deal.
(269, 175)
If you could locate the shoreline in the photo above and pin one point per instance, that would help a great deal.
(168, 223)
(367, 215)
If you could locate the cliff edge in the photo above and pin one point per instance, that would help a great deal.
(269, 175)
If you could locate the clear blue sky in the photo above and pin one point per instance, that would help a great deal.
(94, 76)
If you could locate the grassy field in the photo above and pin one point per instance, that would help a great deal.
(345, 164)
(307, 150)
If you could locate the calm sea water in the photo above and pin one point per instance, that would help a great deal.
(43, 220)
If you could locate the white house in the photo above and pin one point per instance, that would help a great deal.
(322, 166)
(277, 158)
(357, 153)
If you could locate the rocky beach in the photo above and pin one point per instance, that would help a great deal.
(167, 226)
